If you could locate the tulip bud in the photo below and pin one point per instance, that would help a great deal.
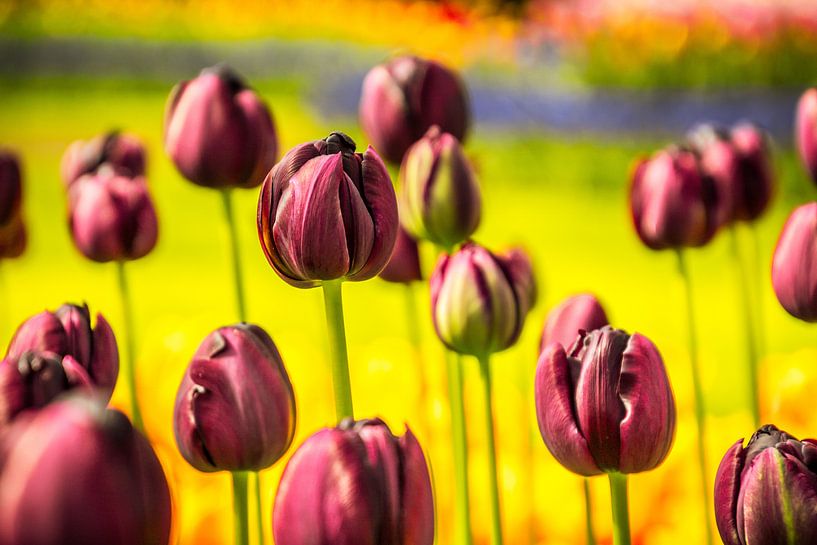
(404, 264)
(112, 217)
(355, 484)
(11, 188)
(475, 302)
(78, 473)
(67, 332)
(719, 163)
(765, 493)
(805, 131)
(218, 132)
(577, 313)
(29, 382)
(672, 204)
(123, 153)
(235, 409)
(440, 198)
(755, 173)
(403, 98)
(327, 213)
(794, 265)
(607, 406)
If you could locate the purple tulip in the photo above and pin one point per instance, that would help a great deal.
(672, 204)
(755, 173)
(218, 132)
(89, 355)
(11, 189)
(519, 266)
(404, 264)
(403, 98)
(719, 162)
(112, 217)
(123, 153)
(327, 213)
(29, 382)
(356, 484)
(440, 198)
(78, 473)
(581, 312)
(805, 132)
(607, 406)
(766, 493)
(794, 266)
(235, 409)
(475, 303)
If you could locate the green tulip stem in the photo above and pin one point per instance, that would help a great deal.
(621, 511)
(333, 302)
(240, 511)
(259, 516)
(700, 416)
(238, 278)
(590, 536)
(415, 338)
(759, 272)
(129, 361)
(749, 326)
(460, 450)
(493, 476)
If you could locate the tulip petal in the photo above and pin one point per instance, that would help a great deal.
(76, 374)
(385, 457)
(262, 141)
(764, 505)
(76, 321)
(357, 224)
(794, 266)
(104, 365)
(417, 524)
(40, 333)
(727, 489)
(580, 312)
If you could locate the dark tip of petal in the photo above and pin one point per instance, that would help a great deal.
(227, 75)
(338, 142)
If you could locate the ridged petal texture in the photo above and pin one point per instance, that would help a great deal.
(794, 266)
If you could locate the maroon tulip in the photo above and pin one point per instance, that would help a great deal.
(794, 266)
(805, 132)
(218, 132)
(719, 162)
(755, 173)
(519, 267)
(29, 382)
(672, 204)
(766, 493)
(403, 98)
(327, 213)
(112, 217)
(581, 312)
(404, 264)
(11, 189)
(67, 333)
(356, 484)
(78, 473)
(607, 406)
(123, 153)
(235, 409)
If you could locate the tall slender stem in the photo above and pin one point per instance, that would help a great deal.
(129, 361)
(414, 337)
(700, 413)
(259, 512)
(460, 450)
(759, 271)
(333, 302)
(590, 535)
(493, 476)
(241, 523)
(621, 511)
(238, 279)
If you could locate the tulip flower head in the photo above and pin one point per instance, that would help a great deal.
(794, 266)
(766, 492)
(581, 312)
(605, 404)
(29, 382)
(403, 98)
(327, 213)
(805, 131)
(755, 174)
(355, 484)
(123, 153)
(12, 227)
(404, 264)
(218, 132)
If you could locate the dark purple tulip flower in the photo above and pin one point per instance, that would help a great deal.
(356, 484)
(755, 174)
(805, 131)
(476, 303)
(112, 217)
(124, 153)
(11, 188)
(29, 382)
(327, 213)
(404, 264)
(90, 355)
(766, 493)
(579, 312)
(218, 132)
(719, 162)
(794, 266)
(78, 473)
(606, 404)
(403, 98)
(673, 205)
(440, 197)
(235, 409)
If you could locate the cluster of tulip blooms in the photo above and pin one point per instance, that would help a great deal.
(328, 214)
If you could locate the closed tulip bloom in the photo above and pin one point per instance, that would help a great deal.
(112, 217)
(327, 213)
(607, 405)
(29, 382)
(794, 265)
(124, 153)
(805, 131)
(581, 312)
(89, 354)
(755, 174)
(766, 492)
(720, 163)
(404, 264)
(356, 484)
(440, 198)
(11, 188)
(403, 98)
(235, 409)
(672, 204)
(78, 473)
(218, 132)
